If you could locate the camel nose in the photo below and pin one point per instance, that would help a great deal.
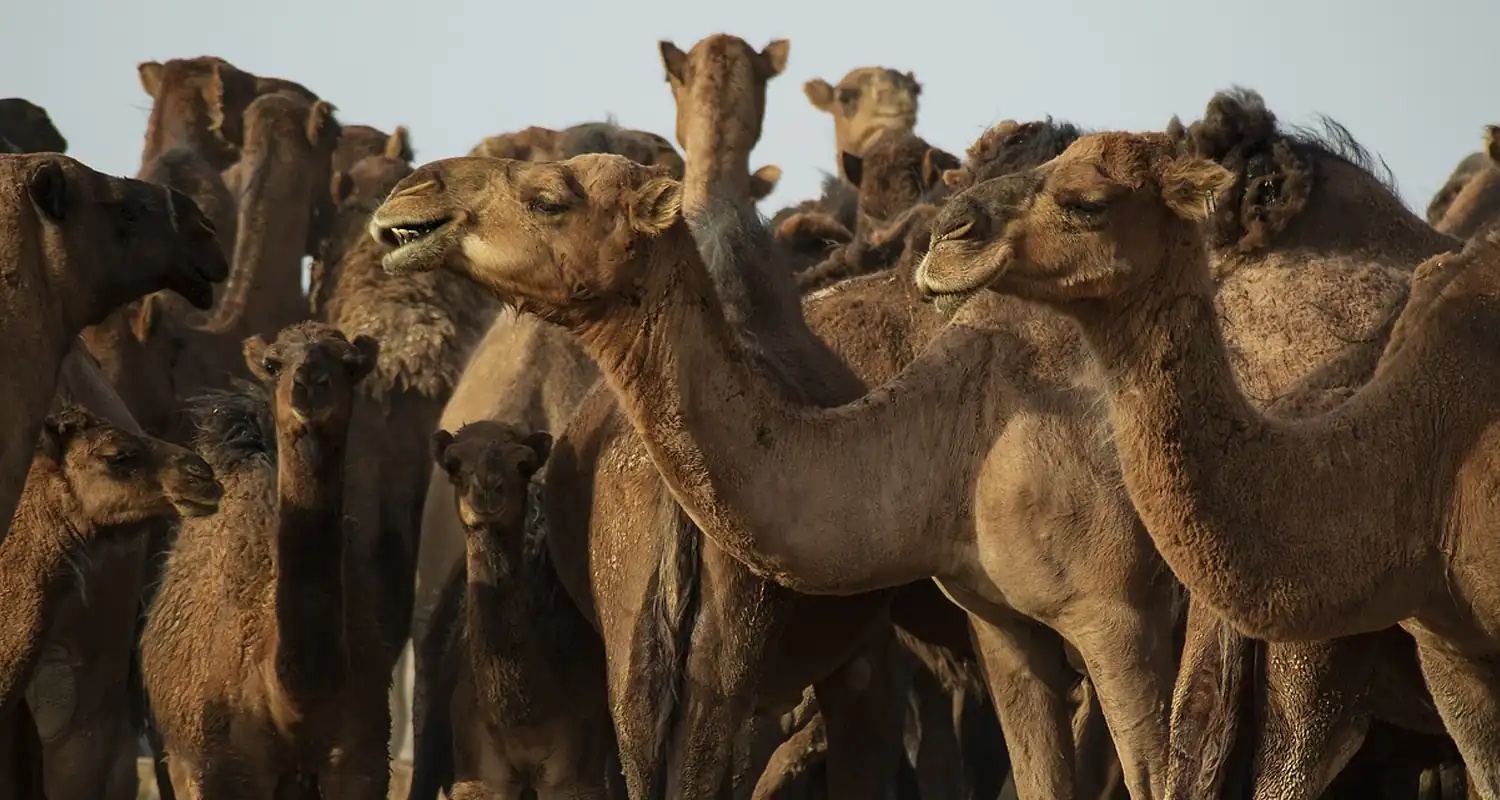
(958, 221)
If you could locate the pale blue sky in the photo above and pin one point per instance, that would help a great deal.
(1414, 81)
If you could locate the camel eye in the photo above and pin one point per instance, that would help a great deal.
(120, 458)
(271, 366)
(1079, 205)
(542, 205)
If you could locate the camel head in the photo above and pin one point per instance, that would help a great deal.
(867, 102)
(200, 102)
(607, 137)
(490, 465)
(530, 144)
(358, 142)
(312, 372)
(26, 128)
(117, 477)
(1098, 219)
(1475, 204)
(722, 75)
(104, 241)
(558, 239)
(894, 173)
(285, 125)
(368, 181)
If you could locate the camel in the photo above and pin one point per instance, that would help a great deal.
(265, 665)
(866, 103)
(1467, 166)
(544, 144)
(88, 481)
(1173, 399)
(64, 268)
(26, 128)
(621, 209)
(157, 358)
(528, 707)
(1476, 206)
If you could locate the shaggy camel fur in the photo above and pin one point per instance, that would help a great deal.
(868, 102)
(88, 481)
(1476, 206)
(528, 708)
(26, 128)
(266, 667)
(754, 644)
(648, 276)
(1194, 449)
(78, 244)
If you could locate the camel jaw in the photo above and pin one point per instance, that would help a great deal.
(418, 245)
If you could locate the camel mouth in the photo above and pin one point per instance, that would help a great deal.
(948, 304)
(417, 245)
(195, 285)
(188, 507)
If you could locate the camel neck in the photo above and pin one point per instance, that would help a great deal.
(36, 578)
(506, 626)
(717, 163)
(311, 648)
(1252, 514)
(726, 438)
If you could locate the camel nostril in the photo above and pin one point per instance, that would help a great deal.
(957, 228)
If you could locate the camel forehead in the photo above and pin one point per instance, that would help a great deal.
(876, 77)
(1121, 156)
(721, 45)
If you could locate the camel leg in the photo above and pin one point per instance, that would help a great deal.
(1131, 664)
(791, 759)
(1466, 689)
(939, 762)
(361, 770)
(863, 711)
(1314, 714)
(1030, 680)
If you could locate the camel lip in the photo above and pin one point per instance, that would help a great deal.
(195, 285)
(194, 507)
(948, 304)
(419, 247)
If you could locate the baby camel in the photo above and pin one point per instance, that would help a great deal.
(1373, 514)
(88, 481)
(262, 656)
(528, 707)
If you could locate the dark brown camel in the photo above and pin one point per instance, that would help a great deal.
(263, 653)
(26, 128)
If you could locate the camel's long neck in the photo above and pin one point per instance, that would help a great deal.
(1260, 519)
(312, 645)
(25, 339)
(717, 159)
(505, 627)
(34, 575)
(769, 480)
(264, 292)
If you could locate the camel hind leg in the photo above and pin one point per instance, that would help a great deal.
(1466, 688)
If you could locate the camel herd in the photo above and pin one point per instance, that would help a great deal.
(1082, 465)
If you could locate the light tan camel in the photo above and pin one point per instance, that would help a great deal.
(77, 245)
(711, 445)
(866, 103)
(528, 709)
(263, 654)
(1476, 206)
(1108, 235)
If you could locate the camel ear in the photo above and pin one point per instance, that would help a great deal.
(960, 178)
(1191, 186)
(774, 57)
(262, 367)
(916, 88)
(341, 187)
(48, 187)
(1492, 142)
(363, 358)
(441, 441)
(819, 93)
(318, 119)
(656, 206)
(763, 181)
(150, 76)
(399, 145)
(53, 439)
(540, 443)
(213, 98)
(674, 60)
(146, 317)
(854, 166)
(935, 164)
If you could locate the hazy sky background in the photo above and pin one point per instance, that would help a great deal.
(1413, 81)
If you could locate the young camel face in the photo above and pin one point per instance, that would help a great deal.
(867, 102)
(490, 465)
(118, 477)
(109, 240)
(1096, 220)
(312, 370)
(558, 239)
(716, 69)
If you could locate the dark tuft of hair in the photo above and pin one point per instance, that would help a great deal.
(234, 428)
